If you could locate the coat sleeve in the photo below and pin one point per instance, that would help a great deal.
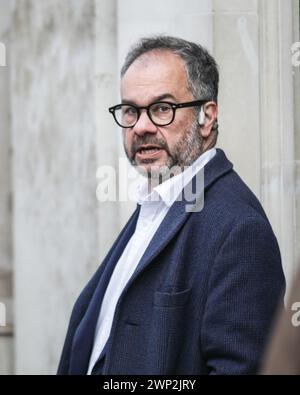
(245, 287)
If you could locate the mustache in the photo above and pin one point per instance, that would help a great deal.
(149, 140)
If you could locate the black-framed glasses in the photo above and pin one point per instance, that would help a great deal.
(161, 113)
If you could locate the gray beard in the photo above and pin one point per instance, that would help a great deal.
(185, 152)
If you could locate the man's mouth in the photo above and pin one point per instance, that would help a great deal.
(148, 151)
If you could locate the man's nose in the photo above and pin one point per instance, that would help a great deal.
(144, 125)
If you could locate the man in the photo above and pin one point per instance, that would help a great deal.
(181, 291)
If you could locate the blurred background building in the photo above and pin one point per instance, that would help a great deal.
(62, 72)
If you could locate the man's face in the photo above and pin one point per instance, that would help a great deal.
(160, 76)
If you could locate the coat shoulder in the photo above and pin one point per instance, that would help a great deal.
(232, 199)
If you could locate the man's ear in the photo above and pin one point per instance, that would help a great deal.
(209, 115)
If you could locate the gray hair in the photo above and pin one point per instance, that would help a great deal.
(201, 68)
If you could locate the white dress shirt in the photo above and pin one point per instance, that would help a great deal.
(154, 207)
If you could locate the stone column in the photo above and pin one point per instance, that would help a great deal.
(56, 242)
(6, 332)
(236, 50)
(277, 124)
(296, 78)
(105, 97)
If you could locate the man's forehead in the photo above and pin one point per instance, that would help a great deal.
(165, 60)
(161, 71)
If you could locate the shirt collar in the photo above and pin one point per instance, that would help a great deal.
(169, 190)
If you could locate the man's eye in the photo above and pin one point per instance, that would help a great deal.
(162, 108)
(129, 111)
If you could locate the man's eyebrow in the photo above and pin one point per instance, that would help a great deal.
(154, 99)
(165, 96)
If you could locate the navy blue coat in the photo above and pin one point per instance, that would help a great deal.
(203, 296)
